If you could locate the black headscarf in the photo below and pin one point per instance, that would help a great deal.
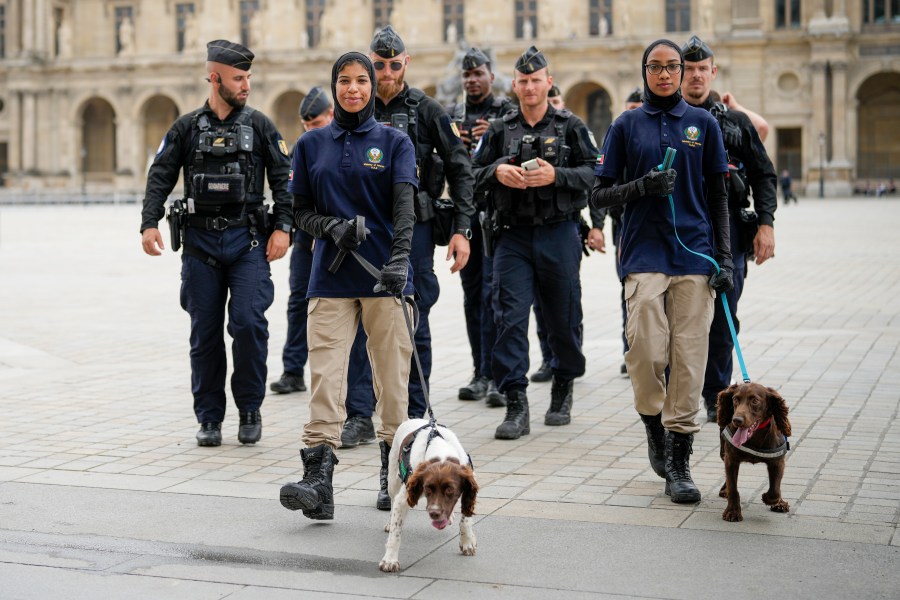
(349, 120)
(662, 102)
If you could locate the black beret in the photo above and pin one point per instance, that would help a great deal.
(635, 96)
(531, 60)
(696, 50)
(475, 58)
(387, 43)
(229, 53)
(314, 103)
(554, 91)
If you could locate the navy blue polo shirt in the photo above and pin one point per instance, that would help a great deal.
(637, 141)
(350, 173)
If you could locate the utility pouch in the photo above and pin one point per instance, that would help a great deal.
(213, 191)
(423, 208)
(176, 219)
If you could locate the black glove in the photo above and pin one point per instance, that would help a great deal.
(344, 234)
(657, 183)
(723, 281)
(393, 277)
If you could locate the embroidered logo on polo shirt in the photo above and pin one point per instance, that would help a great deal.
(692, 136)
(374, 155)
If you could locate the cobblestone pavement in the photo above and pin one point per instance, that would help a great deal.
(94, 384)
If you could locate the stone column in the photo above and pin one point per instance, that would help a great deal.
(29, 131)
(843, 132)
(41, 21)
(14, 106)
(28, 27)
(817, 127)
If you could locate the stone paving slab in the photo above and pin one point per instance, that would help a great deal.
(94, 388)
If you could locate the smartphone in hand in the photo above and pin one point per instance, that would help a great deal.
(530, 165)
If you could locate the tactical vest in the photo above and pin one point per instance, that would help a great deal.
(547, 204)
(221, 170)
(429, 166)
(458, 115)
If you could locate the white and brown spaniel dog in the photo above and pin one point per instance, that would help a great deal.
(429, 459)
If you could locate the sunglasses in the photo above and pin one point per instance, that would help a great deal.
(396, 65)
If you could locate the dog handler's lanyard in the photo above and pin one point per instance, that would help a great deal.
(667, 163)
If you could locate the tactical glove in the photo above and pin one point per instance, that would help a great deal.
(657, 183)
(723, 281)
(393, 277)
(344, 234)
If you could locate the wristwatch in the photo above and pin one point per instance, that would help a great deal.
(466, 233)
(285, 227)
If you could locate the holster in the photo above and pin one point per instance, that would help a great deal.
(176, 219)
(488, 232)
(423, 208)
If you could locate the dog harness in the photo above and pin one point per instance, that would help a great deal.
(404, 465)
(773, 453)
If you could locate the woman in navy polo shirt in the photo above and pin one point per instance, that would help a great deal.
(353, 167)
(669, 291)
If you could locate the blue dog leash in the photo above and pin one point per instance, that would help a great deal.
(666, 164)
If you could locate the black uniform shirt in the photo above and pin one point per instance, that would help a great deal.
(175, 154)
(759, 169)
(434, 131)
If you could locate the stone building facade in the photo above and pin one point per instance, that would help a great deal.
(89, 87)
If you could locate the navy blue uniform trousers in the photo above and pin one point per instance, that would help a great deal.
(242, 284)
(542, 261)
(296, 350)
(719, 361)
(477, 303)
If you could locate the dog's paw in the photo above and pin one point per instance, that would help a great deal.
(468, 547)
(723, 493)
(389, 566)
(387, 527)
(732, 515)
(781, 506)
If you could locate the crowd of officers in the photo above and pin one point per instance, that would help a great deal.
(501, 184)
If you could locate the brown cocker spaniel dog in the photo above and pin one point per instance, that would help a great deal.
(754, 427)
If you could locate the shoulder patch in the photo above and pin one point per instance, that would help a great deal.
(283, 147)
(511, 115)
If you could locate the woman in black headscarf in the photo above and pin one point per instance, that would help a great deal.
(352, 168)
(669, 290)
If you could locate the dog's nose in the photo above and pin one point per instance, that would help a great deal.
(434, 514)
(738, 421)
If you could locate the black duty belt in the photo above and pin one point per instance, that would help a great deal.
(518, 220)
(217, 223)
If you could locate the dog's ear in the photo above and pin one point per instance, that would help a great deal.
(469, 490)
(415, 485)
(779, 409)
(725, 402)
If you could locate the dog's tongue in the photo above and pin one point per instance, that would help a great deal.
(742, 434)
(439, 524)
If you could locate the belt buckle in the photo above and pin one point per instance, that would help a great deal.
(217, 223)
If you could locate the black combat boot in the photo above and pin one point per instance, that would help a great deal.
(712, 409)
(289, 382)
(544, 373)
(678, 472)
(476, 390)
(656, 443)
(314, 494)
(210, 434)
(250, 429)
(560, 402)
(494, 398)
(516, 423)
(384, 499)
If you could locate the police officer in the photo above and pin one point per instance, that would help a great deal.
(225, 150)
(472, 118)
(537, 163)
(440, 153)
(315, 111)
(749, 165)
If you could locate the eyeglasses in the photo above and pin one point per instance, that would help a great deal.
(396, 65)
(673, 69)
